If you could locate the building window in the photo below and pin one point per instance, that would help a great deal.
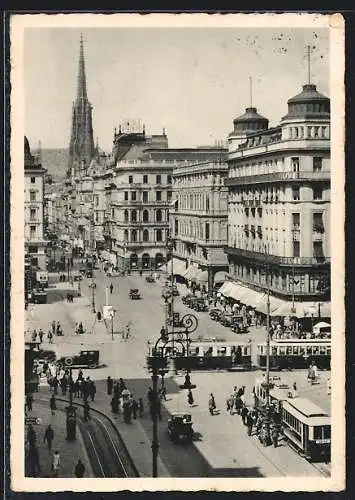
(207, 203)
(145, 216)
(126, 215)
(158, 195)
(159, 235)
(32, 195)
(169, 179)
(134, 216)
(295, 163)
(207, 230)
(159, 215)
(158, 179)
(145, 179)
(317, 164)
(32, 231)
(317, 193)
(125, 235)
(130, 179)
(113, 213)
(295, 193)
(33, 214)
(318, 225)
(145, 196)
(296, 248)
(126, 195)
(169, 195)
(134, 235)
(295, 220)
(176, 227)
(33, 180)
(318, 249)
(145, 235)
(134, 196)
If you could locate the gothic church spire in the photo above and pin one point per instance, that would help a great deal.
(81, 87)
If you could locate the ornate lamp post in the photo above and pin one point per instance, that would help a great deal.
(267, 417)
(157, 361)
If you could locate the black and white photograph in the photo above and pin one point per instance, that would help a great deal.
(177, 252)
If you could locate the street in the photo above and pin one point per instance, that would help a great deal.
(221, 447)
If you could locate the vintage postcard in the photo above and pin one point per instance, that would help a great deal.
(177, 252)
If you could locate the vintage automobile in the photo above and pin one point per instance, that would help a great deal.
(186, 299)
(180, 427)
(134, 294)
(77, 275)
(215, 314)
(238, 325)
(89, 273)
(37, 297)
(149, 279)
(199, 305)
(226, 319)
(85, 358)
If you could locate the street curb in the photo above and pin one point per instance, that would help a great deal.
(113, 425)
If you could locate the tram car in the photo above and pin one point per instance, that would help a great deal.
(279, 392)
(214, 355)
(307, 428)
(295, 353)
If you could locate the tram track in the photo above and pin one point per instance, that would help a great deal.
(107, 451)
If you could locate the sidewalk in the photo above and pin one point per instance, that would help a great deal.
(69, 451)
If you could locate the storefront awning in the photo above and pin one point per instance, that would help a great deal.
(191, 272)
(274, 304)
(219, 277)
(202, 276)
(303, 309)
(225, 288)
(176, 266)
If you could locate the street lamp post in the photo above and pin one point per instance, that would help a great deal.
(157, 364)
(267, 416)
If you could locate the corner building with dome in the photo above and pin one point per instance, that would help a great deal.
(279, 207)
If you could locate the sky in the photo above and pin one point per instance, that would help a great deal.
(191, 81)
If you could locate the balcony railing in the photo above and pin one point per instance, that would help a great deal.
(278, 177)
(275, 259)
(252, 203)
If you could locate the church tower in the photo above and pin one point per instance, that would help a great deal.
(81, 148)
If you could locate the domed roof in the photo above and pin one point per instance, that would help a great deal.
(250, 121)
(309, 93)
(308, 104)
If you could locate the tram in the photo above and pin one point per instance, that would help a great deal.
(307, 428)
(211, 355)
(295, 353)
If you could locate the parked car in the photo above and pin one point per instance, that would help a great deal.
(215, 314)
(200, 305)
(77, 275)
(149, 279)
(226, 319)
(134, 294)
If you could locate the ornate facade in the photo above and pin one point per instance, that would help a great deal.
(279, 200)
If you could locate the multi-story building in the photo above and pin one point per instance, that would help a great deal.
(35, 243)
(199, 220)
(279, 203)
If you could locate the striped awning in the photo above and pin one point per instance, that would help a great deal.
(219, 277)
(303, 309)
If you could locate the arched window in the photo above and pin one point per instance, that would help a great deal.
(134, 216)
(158, 215)
(145, 216)
(145, 235)
(126, 215)
(159, 235)
(134, 235)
